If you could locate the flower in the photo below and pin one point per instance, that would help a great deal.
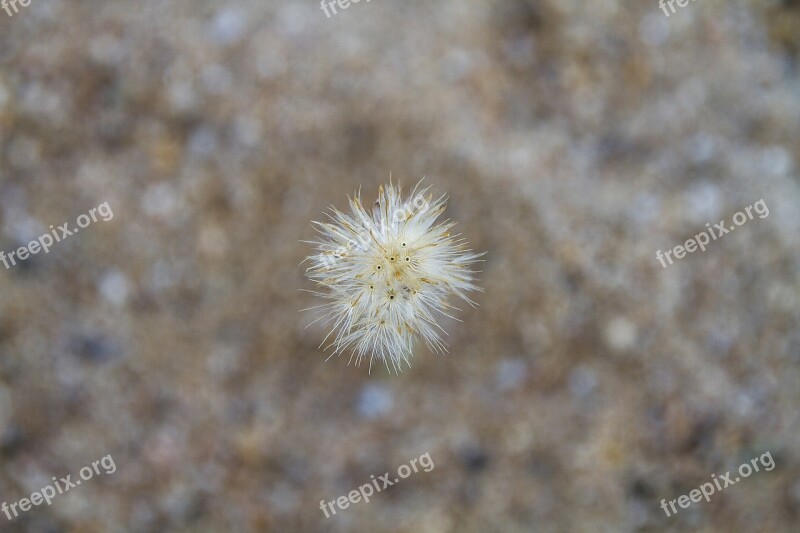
(387, 276)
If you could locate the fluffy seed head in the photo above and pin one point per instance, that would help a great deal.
(387, 275)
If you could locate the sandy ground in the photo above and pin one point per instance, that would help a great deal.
(575, 139)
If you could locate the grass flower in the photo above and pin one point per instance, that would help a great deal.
(387, 275)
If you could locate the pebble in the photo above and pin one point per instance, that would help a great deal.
(620, 334)
(374, 401)
(115, 288)
(229, 26)
(511, 373)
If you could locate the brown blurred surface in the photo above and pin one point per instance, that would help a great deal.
(575, 139)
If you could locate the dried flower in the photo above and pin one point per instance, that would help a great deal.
(387, 277)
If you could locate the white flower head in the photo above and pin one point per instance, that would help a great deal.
(387, 276)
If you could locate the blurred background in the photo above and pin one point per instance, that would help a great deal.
(575, 139)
